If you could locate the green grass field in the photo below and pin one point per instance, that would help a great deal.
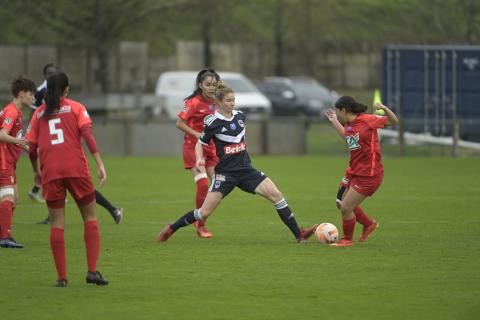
(423, 262)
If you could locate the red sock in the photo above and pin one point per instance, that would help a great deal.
(91, 236)
(348, 228)
(57, 243)
(6, 216)
(201, 193)
(362, 217)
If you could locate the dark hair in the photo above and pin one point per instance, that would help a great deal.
(56, 85)
(350, 105)
(200, 77)
(22, 83)
(222, 91)
(48, 65)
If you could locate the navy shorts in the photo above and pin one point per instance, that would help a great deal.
(247, 180)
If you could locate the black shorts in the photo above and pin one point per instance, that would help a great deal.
(247, 180)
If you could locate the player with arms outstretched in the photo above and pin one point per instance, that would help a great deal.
(55, 132)
(226, 127)
(365, 172)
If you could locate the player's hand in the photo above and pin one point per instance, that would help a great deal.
(379, 106)
(23, 143)
(102, 176)
(331, 115)
(200, 162)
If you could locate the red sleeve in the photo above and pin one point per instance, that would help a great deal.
(9, 119)
(188, 110)
(374, 121)
(82, 115)
(86, 132)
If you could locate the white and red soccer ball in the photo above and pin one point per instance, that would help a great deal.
(326, 233)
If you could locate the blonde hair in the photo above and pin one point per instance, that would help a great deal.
(222, 90)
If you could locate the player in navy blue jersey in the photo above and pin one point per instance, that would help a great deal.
(226, 127)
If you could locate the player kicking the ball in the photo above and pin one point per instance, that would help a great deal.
(226, 127)
(365, 172)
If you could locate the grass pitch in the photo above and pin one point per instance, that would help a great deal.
(422, 263)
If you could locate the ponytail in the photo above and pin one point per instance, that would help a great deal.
(350, 105)
(56, 85)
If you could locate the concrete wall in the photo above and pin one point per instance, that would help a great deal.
(161, 137)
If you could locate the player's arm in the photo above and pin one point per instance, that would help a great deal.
(391, 116)
(33, 155)
(6, 138)
(182, 125)
(86, 132)
(332, 117)
(199, 158)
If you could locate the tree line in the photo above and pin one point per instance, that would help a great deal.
(298, 28)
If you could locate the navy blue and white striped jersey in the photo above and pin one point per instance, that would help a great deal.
(229, 138)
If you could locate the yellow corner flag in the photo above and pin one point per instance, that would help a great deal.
(377, 97)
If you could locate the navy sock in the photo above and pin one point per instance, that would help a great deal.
(287, 217)
(101, 200)
(185, 220)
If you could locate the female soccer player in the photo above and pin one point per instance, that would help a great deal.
(55, 131)
(11, 126)
(198, 105)
(365, 172)
(226, 127)
(34, 194)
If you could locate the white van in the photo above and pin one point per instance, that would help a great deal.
(174, 86)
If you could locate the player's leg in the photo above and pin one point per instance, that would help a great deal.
(269, 190)
(200, 177)
(7, 206)
(221, 186)
(360, 215)
(84, 195)
(55, 194)
(211, 202)
(351, 200)
(115, 212)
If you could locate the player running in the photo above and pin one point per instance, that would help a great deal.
(226, 128)
(11, 142)
(198, 105)
(365, 172)
(55, 132)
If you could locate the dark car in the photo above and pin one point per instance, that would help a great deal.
(297, 95)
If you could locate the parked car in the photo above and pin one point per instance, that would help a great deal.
(297, 95)
(174, 86)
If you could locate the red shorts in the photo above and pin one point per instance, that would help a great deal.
(81, 189)
(366, 185)
(7, 178)
(189, 160)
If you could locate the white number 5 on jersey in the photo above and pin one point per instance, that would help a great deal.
(56, 131)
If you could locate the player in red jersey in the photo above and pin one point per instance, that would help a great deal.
(198, 105)
(11, 142)
(365, 172)
(55, 132)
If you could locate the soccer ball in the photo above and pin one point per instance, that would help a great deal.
(326, 233)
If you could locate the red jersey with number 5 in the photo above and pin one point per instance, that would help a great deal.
(11, 122)
(362, 140)
(59, 140)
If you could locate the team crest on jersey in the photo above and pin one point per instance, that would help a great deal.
(7, 120)
(211, 107)
(241, 124)
(352, 141)
(233, 126)
(349, 128)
